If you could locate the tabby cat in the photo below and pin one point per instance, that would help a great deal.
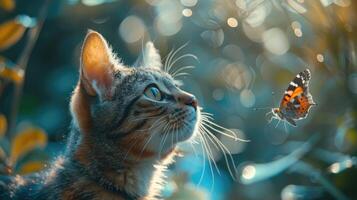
(120, 116)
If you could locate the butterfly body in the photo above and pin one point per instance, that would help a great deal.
(296, 100)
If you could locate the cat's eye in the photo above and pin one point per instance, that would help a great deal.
(154, 93)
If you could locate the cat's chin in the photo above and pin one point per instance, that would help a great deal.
(184, 128)
(187, 131)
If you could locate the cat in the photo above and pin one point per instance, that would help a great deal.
(127, 122)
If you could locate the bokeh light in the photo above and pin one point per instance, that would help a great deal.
(257, 16)
(248, 172)
(189, 3)
(275, 41)
(95, 2)
(232, 22)
(187, 12)
(169, 14)
(298, 32)
(132, 29)
(247, 98)
(218, 94)
(335, 168)
(320, 58)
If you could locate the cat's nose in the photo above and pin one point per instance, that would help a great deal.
(188, 99)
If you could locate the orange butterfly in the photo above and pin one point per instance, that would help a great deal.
(296, 101)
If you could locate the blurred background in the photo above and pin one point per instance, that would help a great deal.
(248, 51)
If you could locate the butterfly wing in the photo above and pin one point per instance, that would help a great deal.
(297, 100)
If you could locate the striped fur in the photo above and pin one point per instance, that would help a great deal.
(121, 141)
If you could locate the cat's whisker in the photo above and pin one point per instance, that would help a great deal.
(172, 139)
(145, 145)
(130, 148)
(156, 123)
(206, 127)
(194, 149)
(133, 119)
(173, 56)
(225, 151)
(224, 131)
(167, 60)
(181, 57)
(176, 134)
(181, 69)
(163, 141)
(203, 161)
(210, 159)
(181, 74)
(142, 49)
(147, 142)
(206, 114)
(208, 146)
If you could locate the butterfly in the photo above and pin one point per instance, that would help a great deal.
(296, 101)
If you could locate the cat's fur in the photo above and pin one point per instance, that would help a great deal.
(121, 140)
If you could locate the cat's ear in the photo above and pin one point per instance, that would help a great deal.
(150, 57)
(97, 67)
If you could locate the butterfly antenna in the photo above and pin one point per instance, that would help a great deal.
(277, 124)
(274, 98)
(261, 108)
(271, 119)
(285, 127)
(270, 112)
(267, 107)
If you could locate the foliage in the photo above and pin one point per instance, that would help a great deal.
(14, 148)
(247, 51)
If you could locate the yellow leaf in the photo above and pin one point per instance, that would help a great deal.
(3, 125)
(7, 5)
(10, 32)
(14, 74)
(26, 141)
(31, 167)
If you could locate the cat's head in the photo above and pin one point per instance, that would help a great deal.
(131, 111)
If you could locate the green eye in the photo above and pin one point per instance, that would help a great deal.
(153, 93)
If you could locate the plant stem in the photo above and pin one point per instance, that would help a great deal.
(32, 37)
